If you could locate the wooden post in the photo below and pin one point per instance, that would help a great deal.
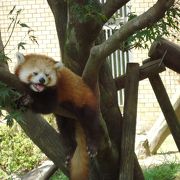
(166, 107)
(160, 130)
(129, 123)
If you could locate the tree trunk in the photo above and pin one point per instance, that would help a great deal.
(77, 35)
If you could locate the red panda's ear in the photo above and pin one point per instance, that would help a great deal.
(58, 65)
(20, 58)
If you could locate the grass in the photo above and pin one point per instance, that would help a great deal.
(58, 176)
(162, 172)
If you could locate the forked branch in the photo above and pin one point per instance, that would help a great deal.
(100, 52)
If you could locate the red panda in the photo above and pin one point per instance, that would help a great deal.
(50, 84)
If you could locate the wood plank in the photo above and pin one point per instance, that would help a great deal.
(166, 107)
(146, 70)
(171, 51)
(129, 123)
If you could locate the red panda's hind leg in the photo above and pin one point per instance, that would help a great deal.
(66, 128)
(90, 123)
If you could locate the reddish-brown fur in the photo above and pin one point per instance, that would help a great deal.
(70, 89)
(73, 89)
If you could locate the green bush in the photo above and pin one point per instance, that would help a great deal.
(17, 152)
(162, 172)
(58, 176)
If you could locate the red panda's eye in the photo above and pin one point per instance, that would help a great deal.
(35, 73)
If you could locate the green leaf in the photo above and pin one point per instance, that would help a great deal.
(9, 120)
(3, 57)
(12, 10)
(24, 25)
(12, 20)
(21, 45)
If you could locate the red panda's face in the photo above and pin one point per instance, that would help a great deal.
(38, 71)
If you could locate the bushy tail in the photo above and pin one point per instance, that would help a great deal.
(80, 160)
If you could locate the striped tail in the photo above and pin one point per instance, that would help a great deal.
(80, 160)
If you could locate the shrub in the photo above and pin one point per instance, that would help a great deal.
(58, 176)
(17, 152)
(162, 172)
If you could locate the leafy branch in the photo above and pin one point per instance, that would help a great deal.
(87, 12)
(14, 22)
(167, 26)
(8, 98)
(14, 18)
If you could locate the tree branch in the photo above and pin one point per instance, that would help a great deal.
(3, 64)
(59, 10)
(11, 80)
(111, 6)
(100, 52)
(40, 132)
(44, 136)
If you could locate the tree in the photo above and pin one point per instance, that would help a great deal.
(79, 26)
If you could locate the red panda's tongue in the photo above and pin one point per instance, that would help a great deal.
(39, 87)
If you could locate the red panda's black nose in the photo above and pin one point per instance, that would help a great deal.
(42, 80)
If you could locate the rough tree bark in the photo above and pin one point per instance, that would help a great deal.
(76, 39)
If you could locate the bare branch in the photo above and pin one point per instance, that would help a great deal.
(100, 52)
(111, 6)
(3, 64)
(59, 10)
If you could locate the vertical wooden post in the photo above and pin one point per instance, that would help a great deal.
(129, 123)
(166, 107)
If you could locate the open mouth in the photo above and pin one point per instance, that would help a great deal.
(38, 87)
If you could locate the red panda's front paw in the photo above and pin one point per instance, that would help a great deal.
(24, 101)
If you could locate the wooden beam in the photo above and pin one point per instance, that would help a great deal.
(129, 123)
(171, 51)
(166, 107)
(147, 69)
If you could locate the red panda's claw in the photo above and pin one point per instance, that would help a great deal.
(91, 152)
(24, 101)
(67, 161)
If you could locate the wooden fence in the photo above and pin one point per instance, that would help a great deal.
(162, 54)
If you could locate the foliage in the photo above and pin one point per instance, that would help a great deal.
(167, 26)
(8, 97)
(15, 21)
(87, 12)
(162, 172)
(17, 152)
(59, 176)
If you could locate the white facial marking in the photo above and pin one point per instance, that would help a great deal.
(24, 75)
(38, 73)
(58, 65)
(36, 78)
